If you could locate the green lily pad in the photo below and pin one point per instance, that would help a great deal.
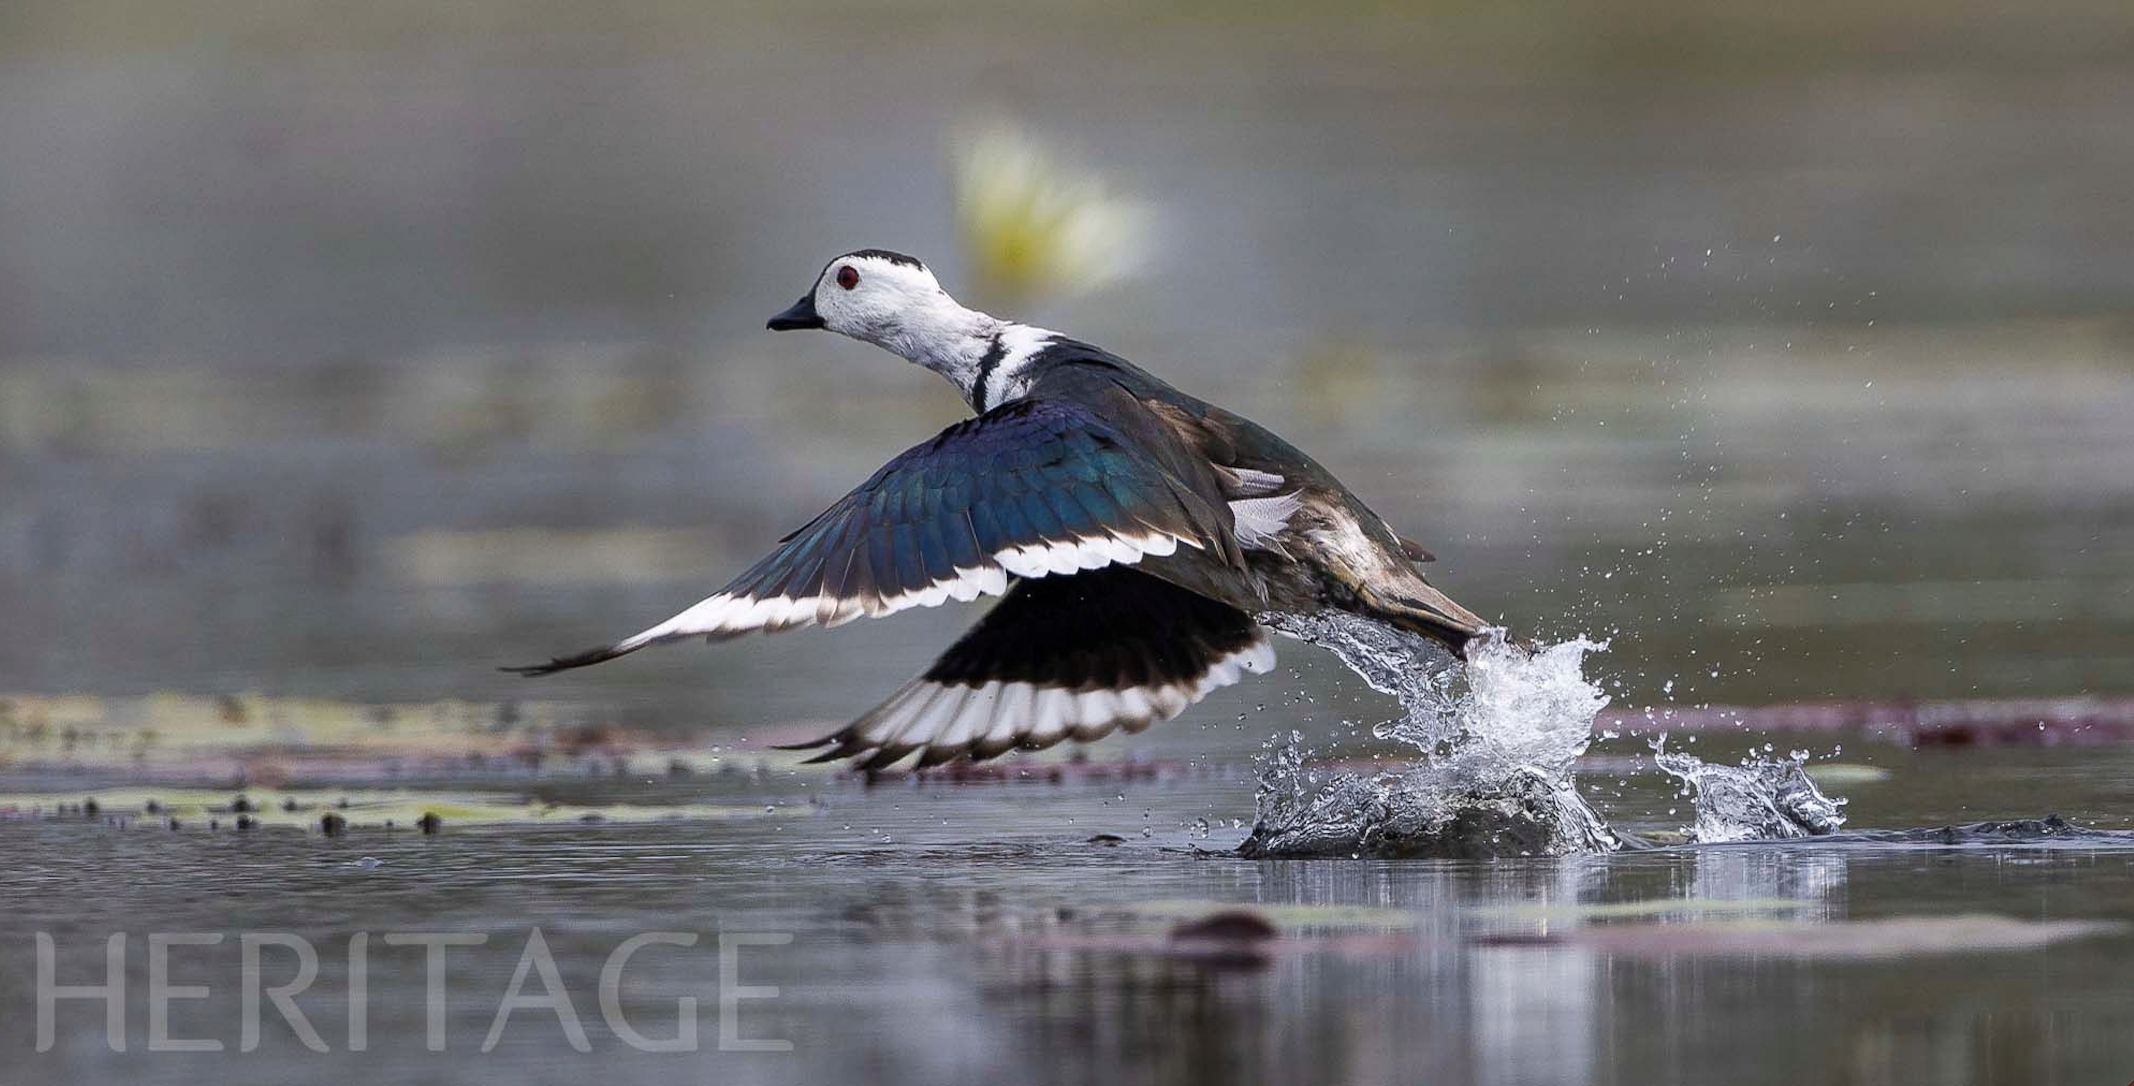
(357, 807)
(186, 738)
(1881, 938)
(1846, 774)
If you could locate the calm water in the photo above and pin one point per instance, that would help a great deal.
(345, 355)
(966, 932)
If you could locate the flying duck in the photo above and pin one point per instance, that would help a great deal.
(1131, 530)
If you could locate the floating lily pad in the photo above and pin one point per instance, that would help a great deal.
(1891, 937)
(183, 738)
(1845, 774)
(355, 808)
(2011, 722)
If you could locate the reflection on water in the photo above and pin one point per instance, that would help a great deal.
(1809, 878)
(1042, 958)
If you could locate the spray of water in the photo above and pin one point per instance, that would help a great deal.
(1496, 739)
(1760, 799)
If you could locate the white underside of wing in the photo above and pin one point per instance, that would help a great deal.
(929, 716)
(727, 615)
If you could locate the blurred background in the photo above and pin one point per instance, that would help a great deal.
(351, 350)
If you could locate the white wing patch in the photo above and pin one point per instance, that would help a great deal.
(1258, 513)
(1260, 520)
(726, 615)
(939, 718)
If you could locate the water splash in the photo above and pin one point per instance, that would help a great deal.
(1497, 737)
(1760, 799)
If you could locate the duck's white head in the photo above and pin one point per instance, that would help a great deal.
(870, 295)
(893, 301)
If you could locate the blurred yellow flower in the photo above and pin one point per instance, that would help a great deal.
(1031, 226)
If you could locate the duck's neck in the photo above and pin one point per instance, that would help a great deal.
(985, 357)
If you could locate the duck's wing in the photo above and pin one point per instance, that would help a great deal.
(1032, 488)
(1060, 658)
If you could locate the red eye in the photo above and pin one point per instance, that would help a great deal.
(848, 277)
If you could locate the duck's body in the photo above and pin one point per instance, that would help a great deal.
(1306, 542)
(1134, 530)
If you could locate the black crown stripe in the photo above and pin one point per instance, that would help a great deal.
(892, 257)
